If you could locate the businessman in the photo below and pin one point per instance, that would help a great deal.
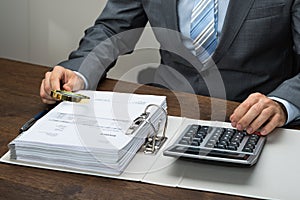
(249, 48)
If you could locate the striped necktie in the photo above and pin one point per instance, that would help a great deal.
(204, 28)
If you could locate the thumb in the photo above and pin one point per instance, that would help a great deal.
(68, 87)
(74, 83)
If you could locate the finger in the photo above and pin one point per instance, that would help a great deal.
(57, 76)
(68, 87)
(44, 96)
(255, 111)
(45, 88)
(265, 116)
(242, 109)
(271, 125)
(46, 83)
(74, 82)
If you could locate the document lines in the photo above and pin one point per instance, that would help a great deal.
(100, 136)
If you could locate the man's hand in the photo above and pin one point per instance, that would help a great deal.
(258, 112)
(59, 78)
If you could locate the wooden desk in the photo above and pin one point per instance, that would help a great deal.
(19, 92)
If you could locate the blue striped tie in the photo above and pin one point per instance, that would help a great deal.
(204, 28)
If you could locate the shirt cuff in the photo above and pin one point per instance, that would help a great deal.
(293, 112)
(86, 83)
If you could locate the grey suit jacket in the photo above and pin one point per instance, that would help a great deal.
(258, 51)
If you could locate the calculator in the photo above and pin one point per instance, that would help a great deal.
(218, 145)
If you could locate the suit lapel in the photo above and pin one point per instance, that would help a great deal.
(169, 7)
(236, 14)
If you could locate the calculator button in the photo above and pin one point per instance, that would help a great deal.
(232, 147)
(205, 128)
(247, 149)
(200, 136)
(214, 137)
(224, 142)
(185, 142)
(213, 140)
(221, 146)
(253, 141)
(210, 144)
(225, 137)
(250, 145)
(189, 134)
(236, 140)
(234, 143)
(187, 138)
(195, 143)
(254, 136)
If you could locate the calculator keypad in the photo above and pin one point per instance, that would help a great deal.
(216, 143)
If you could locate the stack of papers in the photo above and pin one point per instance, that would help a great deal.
(91, 136)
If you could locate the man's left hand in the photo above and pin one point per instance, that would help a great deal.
(258, 112)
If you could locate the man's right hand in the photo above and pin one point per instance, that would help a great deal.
(59, 78)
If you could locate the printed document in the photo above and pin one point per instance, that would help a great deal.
(90, 136)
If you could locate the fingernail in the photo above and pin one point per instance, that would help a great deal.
(263, 132)
(250, 130)
(239, 127)
(233, 124)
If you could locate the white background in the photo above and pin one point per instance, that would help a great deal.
(45, 32)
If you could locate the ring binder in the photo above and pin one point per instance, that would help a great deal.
(155, 142)
(97, 141)
(137, 122)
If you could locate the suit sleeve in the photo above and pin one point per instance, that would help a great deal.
(290, 89)
(115, 32)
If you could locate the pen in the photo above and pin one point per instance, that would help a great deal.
(30, 122)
